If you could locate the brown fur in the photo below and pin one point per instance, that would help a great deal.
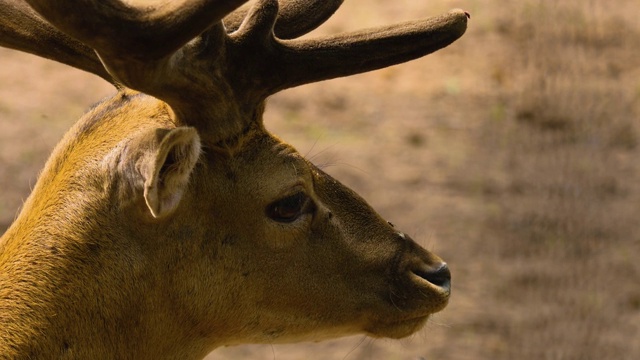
(152, 233)
(86, 271)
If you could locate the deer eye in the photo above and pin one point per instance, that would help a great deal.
(289, 209)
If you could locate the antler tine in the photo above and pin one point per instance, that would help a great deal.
(154, 49)
(296, 62)
(179, 52)
(295, 18)
(22, 29)
(114, 28)
(353, 53)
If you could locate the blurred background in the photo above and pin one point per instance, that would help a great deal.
(513, 154)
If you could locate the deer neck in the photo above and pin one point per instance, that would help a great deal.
(93, 296)
(78, 286)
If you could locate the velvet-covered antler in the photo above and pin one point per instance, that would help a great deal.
(215, 76)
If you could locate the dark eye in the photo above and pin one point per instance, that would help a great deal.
(288, 209)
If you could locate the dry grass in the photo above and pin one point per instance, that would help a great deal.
(567, 200)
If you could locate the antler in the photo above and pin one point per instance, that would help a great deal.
(135, 32)
(217, 79)
(295, 18)
(23, 29)
(297, 62)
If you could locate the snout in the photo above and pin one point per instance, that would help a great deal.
(420, 287)
(423, 278)
(438, 275)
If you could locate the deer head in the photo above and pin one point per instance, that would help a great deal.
(168, 221)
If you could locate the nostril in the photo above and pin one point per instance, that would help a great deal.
(440, 276)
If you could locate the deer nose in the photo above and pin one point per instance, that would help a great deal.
(439, 275)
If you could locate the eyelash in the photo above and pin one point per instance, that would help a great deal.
(290, 208)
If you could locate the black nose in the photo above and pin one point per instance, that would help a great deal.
(437, 275)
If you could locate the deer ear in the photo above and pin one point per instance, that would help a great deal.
(168, 167)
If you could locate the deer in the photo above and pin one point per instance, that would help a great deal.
(169, 222)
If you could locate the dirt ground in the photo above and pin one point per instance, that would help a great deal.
(512, 154)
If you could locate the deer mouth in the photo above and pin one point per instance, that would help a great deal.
(437, 279)
(412, 303)
(425, 290)
(422, 281)
(420, 289)
(408, 312)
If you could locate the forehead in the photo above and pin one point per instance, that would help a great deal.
(266, 161)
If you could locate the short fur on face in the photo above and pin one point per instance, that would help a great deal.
(168, 221)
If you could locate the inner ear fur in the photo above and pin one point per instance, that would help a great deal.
(166, 162)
